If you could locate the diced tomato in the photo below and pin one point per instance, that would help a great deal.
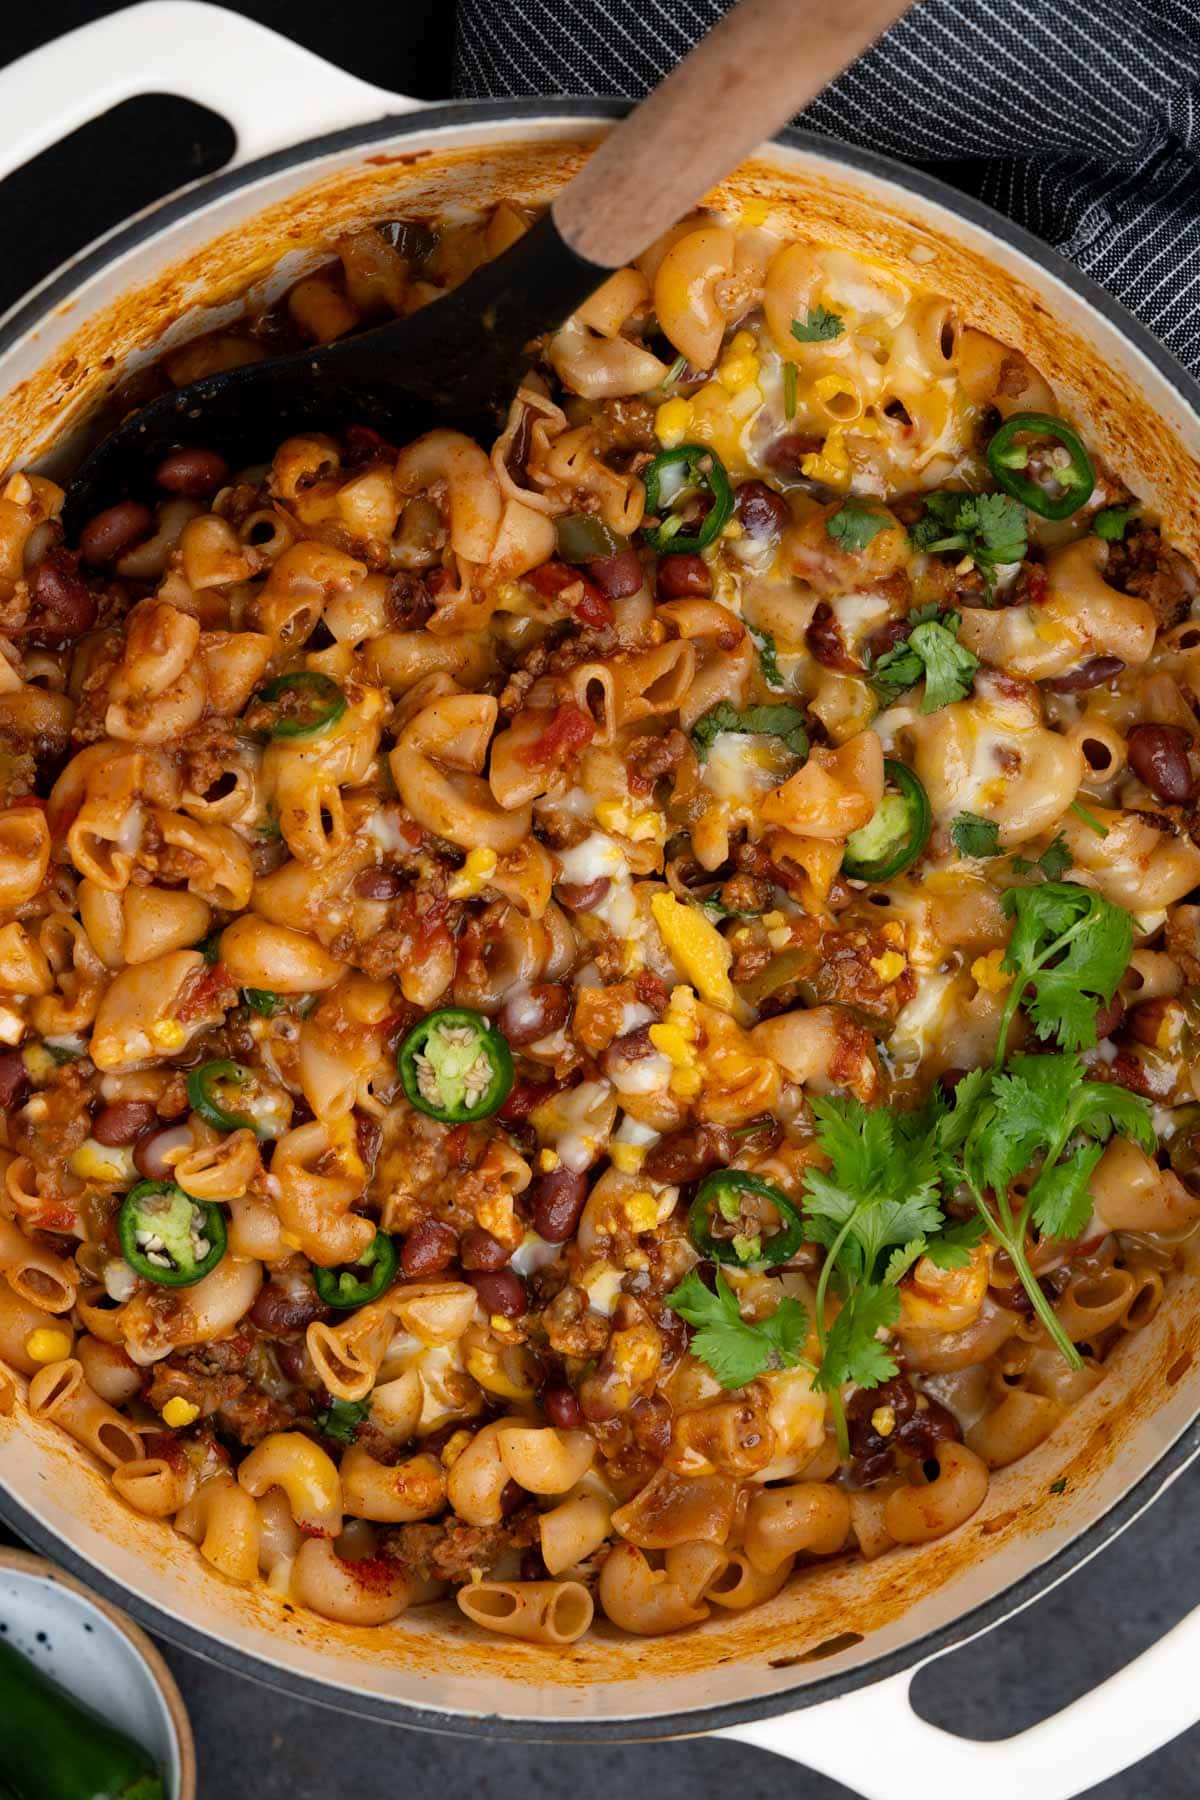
(212, 991)
(589, 606)
(568, 732)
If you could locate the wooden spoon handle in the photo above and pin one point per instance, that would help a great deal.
(756, 68)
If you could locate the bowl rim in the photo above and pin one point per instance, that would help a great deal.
(1175, 1456)
(41, 1568)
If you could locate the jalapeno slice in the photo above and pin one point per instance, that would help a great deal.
(234, 1098)
(302, 705)
(897, 833)
(456, 1066)
(355, 1284)
(723, 1217)
(168, 1237)
(675, 482)
(581, 538)
(1071, 471)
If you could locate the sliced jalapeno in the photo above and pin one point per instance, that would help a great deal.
(581, 538)
(741, 1219)
(1070, 471)
(897, 833)
(234, 1098)
(168, 1237)
(676, 484)
(355, 1284)
(456, 1066)
(302, 705)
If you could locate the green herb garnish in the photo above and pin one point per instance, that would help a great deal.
(989, 528)
(734, 1349)
(1053, 863)
(855, 525)
(768, 657)
(975, 836)
(820, 327)
(1112, 522)
(783, 722)
(341, 1419)
(1089, 819)
(933, 654)
(1070, 945)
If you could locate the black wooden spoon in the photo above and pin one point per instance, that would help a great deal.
(457, 360)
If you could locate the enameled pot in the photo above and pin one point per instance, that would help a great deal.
(822, 1672)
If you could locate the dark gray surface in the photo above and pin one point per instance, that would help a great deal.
(257, 1744)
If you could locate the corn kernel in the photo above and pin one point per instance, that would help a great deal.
(47, 1345)
(672, 420)
(627, 1159)
(988, 974)
(547, 1160)
(883, 1420)
(890, 966)
(179, 1412)
(98, 1162)
(773, 920)
(474, 875)
(168, 1034)
(641, 1209)
(830, 464)
(638, 827)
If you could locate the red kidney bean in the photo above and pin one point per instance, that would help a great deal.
(616, 576)
(555, 1201)
(581, 896)
(761, 512)
(532, 1566)
(63, 604)
(1110, 1018)
(688, 1154)
(562, 1408)
(824, 639)
(534, 1014)
(623, 1052)
(278, 1308)
(192, 472)
(478, 1249)
(1090, 674)
(500, 1291)
(1147, 1020)
(123, 1122)
(930, 1426)
(14, 1082)
(152, 1146)
(1158, 756)
(379, 884)
(409, 603)
(118, 528)
(512, 1498)
(428, 1248)
(786, 455)
(683, 577)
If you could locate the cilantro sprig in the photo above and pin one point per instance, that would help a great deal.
(855, 525)
(1053, 863)
(736, 1349)
(820, 326)
(1112, 522)
(768, 657)
(783, 722)
(1071, 946)
(931, 653)
(989, 528)
(973, 835)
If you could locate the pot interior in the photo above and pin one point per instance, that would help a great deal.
(187, 268)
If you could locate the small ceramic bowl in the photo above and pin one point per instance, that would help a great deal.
(99, 1656)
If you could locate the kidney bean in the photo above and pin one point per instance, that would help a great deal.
(1090, 674)
(581, 896)
(617, 576)
(873, 1451)
(824, 639)
(761, 512)
(555, 1202)
(152, 1147)
(623, 1052)
(534, 1014)
(63, 604)
(786, 455)
(1147, 1020)
(379, 884)
(500, 1291)
(428, 1248)
(1158, 756)
(683, 577)
(409, 603)
(532, 1566)
(279, 1308)
(561, 1407)
(115, 529)
(14, 1082)
(512, 1498)
(478, 1249)
(687, 1154)
(123, 1122)
(192, 472)
(932, 1425)
(1110, 1018)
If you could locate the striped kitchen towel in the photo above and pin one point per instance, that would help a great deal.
(1078, 118)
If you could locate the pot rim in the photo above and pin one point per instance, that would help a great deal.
(1175, 1456)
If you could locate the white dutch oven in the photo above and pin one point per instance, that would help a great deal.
(822, 1673)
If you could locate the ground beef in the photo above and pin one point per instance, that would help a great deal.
(649, 758)
(451, 1550)
(1146, 567)
(571, 1326)
(220, 1380)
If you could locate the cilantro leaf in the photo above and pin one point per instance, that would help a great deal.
(933, 654)
(1053, 863)
(989, 528)
(852, 1350)
(784, 722)
(855, 525)
(734, 1349)
(1064, 1205)
(341, 1419)
(952, 1248)
(902, 1260)
(1112, 522)
(768, 657)
(972, 835)
(820, 327)
(1073, 946)
(881, 1190)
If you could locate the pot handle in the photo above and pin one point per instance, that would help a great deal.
(876, 1745)
(268, 88)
